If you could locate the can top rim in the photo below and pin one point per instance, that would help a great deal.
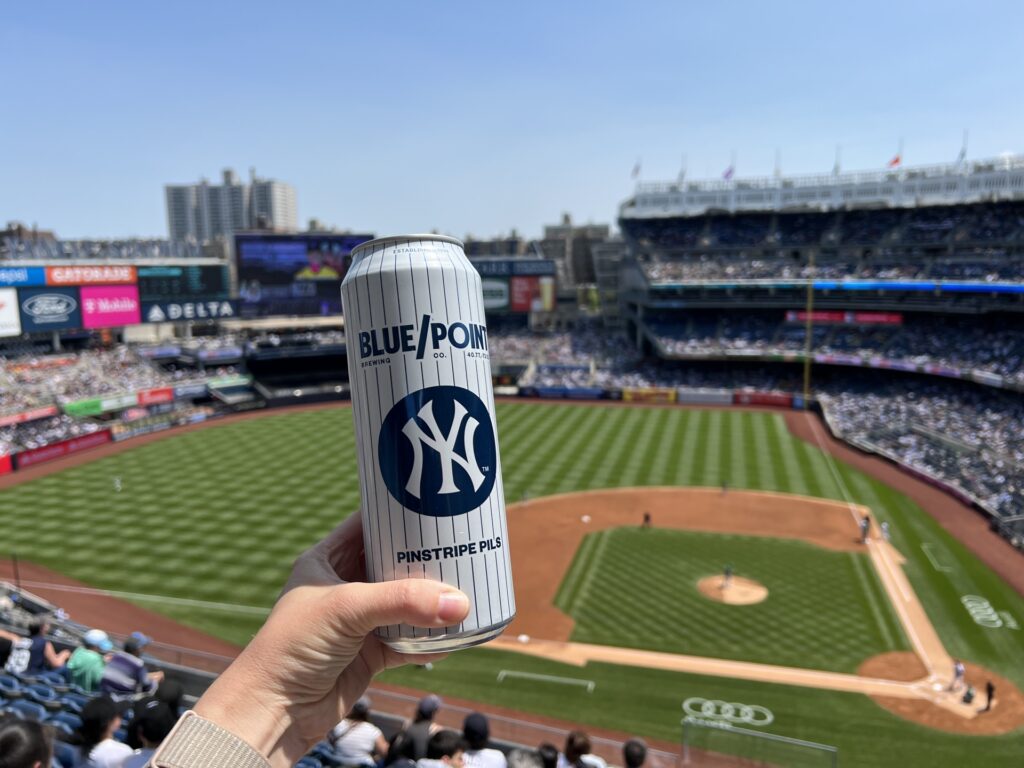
(394, 239)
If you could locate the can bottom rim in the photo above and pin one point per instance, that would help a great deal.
(446, 643)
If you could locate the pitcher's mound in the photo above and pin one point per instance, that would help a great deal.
(739, 592)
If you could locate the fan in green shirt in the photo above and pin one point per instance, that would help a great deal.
(85, 667)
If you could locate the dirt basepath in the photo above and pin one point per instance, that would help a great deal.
(963, 522)
(549, 531)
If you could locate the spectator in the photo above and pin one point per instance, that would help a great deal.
(25, 744)
(101, 718)
(400, 752)
(476, 731)
(125, 674)
(42, 656)
(577, 752)
(444, 750)
(169, 692)
(634, 753)
(525, 758)
(7, 641)
(548, 755)
(152, 724)
(85, 667)
(356, 740)
(423, 725)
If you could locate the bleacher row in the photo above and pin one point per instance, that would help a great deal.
(987, 265)
(953, 225)
(945, 342)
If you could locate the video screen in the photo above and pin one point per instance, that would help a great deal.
(292, 274)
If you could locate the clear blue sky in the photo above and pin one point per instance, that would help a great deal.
(476, 118)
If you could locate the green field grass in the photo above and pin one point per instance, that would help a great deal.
(219, 514)
(825, 610)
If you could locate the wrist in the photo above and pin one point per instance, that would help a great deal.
(247, 712)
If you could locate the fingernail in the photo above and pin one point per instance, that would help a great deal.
(452, 606)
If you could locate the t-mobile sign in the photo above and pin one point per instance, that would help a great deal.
(109, 306)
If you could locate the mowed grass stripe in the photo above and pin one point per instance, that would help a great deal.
(796, 481)
(761, 453)
(871, 597)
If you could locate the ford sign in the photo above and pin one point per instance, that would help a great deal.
(50, 307)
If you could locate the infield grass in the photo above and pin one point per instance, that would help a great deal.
(637, 588)
(219, 515)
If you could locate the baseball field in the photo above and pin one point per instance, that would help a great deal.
(206, 524)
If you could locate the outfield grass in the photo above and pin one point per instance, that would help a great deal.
(219, 514)
(825, 610)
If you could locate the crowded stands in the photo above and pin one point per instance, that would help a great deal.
(995, 347)
(953, 225)
(74, 696)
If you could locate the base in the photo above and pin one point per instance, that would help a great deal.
(446, 643)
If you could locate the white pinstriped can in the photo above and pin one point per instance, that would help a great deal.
(426, 436)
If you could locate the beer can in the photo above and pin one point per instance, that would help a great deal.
(426, 435)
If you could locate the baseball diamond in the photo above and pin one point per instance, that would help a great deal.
(258, 490)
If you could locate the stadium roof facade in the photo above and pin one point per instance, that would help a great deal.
(963, 182)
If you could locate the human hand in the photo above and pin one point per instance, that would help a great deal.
(314, 656)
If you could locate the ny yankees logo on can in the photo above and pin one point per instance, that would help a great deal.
(426, 437)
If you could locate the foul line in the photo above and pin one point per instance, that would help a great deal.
(590, 685)
(252, 610)
(927, 549)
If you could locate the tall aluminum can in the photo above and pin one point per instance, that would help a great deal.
(426, 436)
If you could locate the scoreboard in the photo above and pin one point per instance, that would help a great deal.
(167, 283)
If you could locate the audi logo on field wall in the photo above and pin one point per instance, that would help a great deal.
(731, 713)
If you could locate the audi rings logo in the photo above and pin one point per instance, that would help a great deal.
(728, 712)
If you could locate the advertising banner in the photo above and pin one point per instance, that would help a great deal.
(153, 396)
(532, 294)
(26, 416)
(522, 290)
(35, 456)
(943, 370)
(185, 311)
(744, 397)
(985, 377)
(190, 390)
(824, 317)
(110, 306)
(80, 409)
(19, 276)
(10, 319)
(6, 465)
(117, 402)
(49, 309)
(499, 267)
(704, 396)
(649, 394)
(237, 380)
(141, 427)
(99, 274)
(496, 298)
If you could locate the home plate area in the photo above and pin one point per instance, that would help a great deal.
(758, 586)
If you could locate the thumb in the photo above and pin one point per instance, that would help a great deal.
(359, 608)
